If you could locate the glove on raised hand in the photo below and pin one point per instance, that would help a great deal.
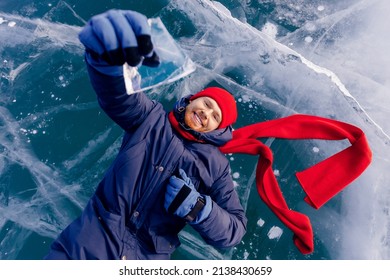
(183, 200)
(116, 37)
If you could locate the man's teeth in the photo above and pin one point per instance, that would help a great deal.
(197, 118)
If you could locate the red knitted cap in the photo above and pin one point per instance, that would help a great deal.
(225, 101)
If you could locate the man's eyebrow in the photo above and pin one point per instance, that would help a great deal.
(215, 105)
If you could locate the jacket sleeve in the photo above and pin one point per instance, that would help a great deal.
(226, 224)
(128, 111)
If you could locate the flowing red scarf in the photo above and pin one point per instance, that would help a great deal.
(320, 182)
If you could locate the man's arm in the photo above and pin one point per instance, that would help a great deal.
(225, 226)
(112, 41)
(218, 217)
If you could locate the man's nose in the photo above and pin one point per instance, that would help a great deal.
(207, 113)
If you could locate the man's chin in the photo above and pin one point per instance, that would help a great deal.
(195, 128)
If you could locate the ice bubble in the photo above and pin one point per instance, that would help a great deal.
(309, 39)
(316, 149)
(275, 232)
(310, 26)
(246, 98)
(246, 255)
(2, 20)
(276, 172)
(260, 222)
(270, 29)
(236, 175)
(11, 24)
(321, 8)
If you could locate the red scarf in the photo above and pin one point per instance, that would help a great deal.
(320, 182)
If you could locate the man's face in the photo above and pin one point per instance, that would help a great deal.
(203, 114)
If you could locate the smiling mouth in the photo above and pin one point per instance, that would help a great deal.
(198, 120)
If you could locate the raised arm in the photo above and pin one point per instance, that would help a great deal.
(114, 40)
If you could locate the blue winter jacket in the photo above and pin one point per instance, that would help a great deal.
(126, 217)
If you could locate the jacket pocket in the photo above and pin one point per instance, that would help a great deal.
(104, 213)
(165, 244)
(112, 223)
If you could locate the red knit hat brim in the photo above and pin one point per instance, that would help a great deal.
(225, 101)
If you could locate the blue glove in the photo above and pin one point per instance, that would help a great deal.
(116, 37)
(183, 200)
